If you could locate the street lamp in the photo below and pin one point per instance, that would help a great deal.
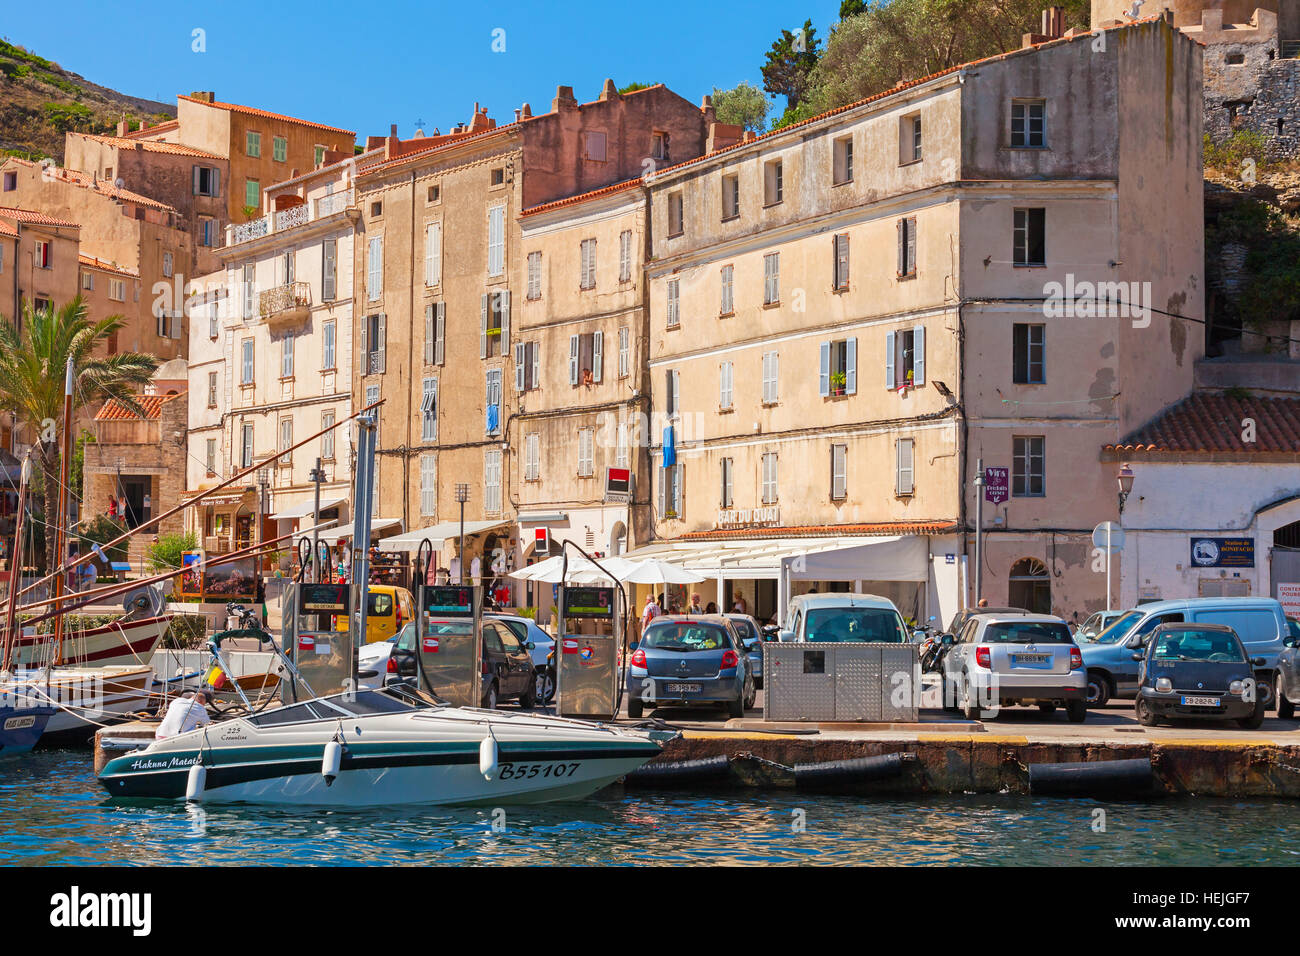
(1125, 485)
(462, 495)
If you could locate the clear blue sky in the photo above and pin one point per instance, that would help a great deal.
(364, 66)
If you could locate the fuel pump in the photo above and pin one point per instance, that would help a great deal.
(318, 631)
(590, 630)
(449, 638)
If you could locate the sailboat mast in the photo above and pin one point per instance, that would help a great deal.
(60, 546)
(15, 570)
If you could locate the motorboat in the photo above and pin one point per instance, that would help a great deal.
(397, 745)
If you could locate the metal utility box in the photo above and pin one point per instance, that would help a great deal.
(587, 678)
(450, 644)
(323, 655)
(841, 682)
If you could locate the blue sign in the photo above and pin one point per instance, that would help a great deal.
(1223, 552)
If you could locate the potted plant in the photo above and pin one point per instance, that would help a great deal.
(838, 383)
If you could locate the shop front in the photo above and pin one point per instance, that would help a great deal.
(600, 531)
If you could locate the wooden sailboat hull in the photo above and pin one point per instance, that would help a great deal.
(84, 698)
(128, 644)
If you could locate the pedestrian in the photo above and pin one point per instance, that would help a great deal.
(983, 602)
(185, 713)
(711, 608)
(112, 507)
(695, 607)
(650, 612)
(740, 607)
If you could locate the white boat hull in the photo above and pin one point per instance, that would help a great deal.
(129, 644)
(84, 698)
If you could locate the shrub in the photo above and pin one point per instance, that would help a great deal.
(165, 554)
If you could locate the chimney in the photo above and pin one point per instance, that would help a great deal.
(608, 91)
(517, 115)
(1053, 27)
(392, 130)
(526, 111)
(123, 127)
(204, 96)
(564, 99)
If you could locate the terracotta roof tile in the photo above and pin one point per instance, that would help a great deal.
(87, 181)
(166, 127)
(582, 197)
(8, 230)
(35, 218)
(149, 145)
(1213, 422)
(821, 531)
(440, 145)
(114, 411)
(106, 266)
(254, 111)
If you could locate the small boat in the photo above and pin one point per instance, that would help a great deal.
(381, 748)
(21, 727)
(83, 698)
(124, 644)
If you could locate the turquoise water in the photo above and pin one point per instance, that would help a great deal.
(53, 812)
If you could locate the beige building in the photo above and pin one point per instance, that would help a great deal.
(846, 314)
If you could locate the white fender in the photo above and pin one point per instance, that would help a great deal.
(329, 764)
(196, 782)
(487, 757)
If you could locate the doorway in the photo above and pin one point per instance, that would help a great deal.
(134, 491)
(1030, 586)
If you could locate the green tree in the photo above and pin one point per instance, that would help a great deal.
(165, 553)
(790, 62)
(742, 105)
(32, 372)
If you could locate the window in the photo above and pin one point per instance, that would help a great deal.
(534, 275)
(730, 196)
(839, 472)
(1028, 124)
(279, 149)
(249, 284)
(659, 146)
(11, 181)
(905, 471)
(586, 452)
(728, 304)
(117, 291)
(372, 396)
(674, 303)
(167, 264)
(840, 261)
(170, 324)
(253, 194)
(286, 268)
(498, 176)
(620, 445)
(375, 268)
(429, 410)
(376, 209)
(770, 370)
(246, 446)
(905, 357)
(1027, 467)
(1235, 59)
(772, 278)
(532, 456)
(728, 468)
(842, 163)
(286, 356)
(433, 253)
(909, 139)
(329, 340)
(675, 225)
(907, 247)
(773, 188)
(207, 231)
(42, 254)
(246, 365)
(1029, 236)
(586, 358)
(495, 323)
(670, 490)
(210, 456)
(838, 373)
(88, 281)
(252, 143)
(673, 393)
(286, 439)
(428, 485)
(624, 352)
(1027, 354)
(528, 366)
(374, 344)
(625, 256)
(492, 404)
(769, 477)
(212, 390)
(492, 481)
(725, 377)
(327, 439)
(435, 333)
(496, 241)
(593, 146)
(318, 156)
(433, 194)
(587, 254)
(329, 269)
(212, 316)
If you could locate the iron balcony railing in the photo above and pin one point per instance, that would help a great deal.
(291, 297)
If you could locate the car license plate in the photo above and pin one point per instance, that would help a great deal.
(1200, 702)
(683, 688)
(1030, 658)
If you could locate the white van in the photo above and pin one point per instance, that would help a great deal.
(840, 617)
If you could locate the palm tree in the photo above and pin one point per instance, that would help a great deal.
(33, 366)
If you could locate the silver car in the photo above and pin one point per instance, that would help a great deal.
(1003, 659)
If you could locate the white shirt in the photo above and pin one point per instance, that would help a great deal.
(182, 714)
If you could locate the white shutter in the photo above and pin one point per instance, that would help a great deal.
(851, 367)
(381, 346)
(503, 303)
(906, 476)
(824, 374)
(597, 356)
(677, 390)
(483, 324)
(663, 492)
(918, 355)
(196, 180)
(521, 356)
(573, 360)
(365, 357)
(537, 364)
(439, 333)
(889, 360)
(429, 332)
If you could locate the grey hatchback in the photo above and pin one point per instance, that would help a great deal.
(688, 661)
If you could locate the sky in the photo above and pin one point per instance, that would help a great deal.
(364, 66)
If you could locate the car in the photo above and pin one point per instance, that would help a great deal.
(1260, 624)
(966, 613)
(508, 672)
(687, 661)
(751, 635)
(526, 630)
(1003, 659)
(389, 610)
(1095, 623)
(840, 617)
(1199, 672)
(1287, 687)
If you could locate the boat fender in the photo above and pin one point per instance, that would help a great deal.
(857, 770)
(196, 782)
(682, 771)
(329, 764)
(487, 757)
(1129, 777)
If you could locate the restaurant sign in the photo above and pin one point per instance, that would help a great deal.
(749, 517)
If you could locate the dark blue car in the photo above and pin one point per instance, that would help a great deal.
(1197, 672)
(687, 661)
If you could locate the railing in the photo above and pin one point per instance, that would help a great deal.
(293, 216)
(334, 202)
(290, 218)
(248, 230)
(284, 298)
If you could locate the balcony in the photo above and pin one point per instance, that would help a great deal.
(285, 304)
(293, 217)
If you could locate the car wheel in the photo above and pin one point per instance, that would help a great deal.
(970, 708)
(1076, 711)
(528, 699)
(1264, 690)
(1145, 715)
(948, 703)
(753, 695)
(490, 698)
(546, 685)
(1285, 706)
(635, 708)
(736, 708)
(1047, 708)
(1098, 689)
(1256, 718)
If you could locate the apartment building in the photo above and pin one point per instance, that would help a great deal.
(847, 314)
(271, 345)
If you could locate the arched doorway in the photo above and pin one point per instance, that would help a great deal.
(1030, 586)
(618, 539)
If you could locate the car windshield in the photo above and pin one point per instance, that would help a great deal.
(381, 604)
(1026, 632)
(744, 628)
(684, 637)
(1119, 629)
(1191, 645)
(855, 624)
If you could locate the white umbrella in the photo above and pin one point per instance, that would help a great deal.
(654, 571)
(549, 571)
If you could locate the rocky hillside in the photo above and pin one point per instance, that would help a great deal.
(40, 101)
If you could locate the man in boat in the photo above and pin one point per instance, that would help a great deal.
(185, 713)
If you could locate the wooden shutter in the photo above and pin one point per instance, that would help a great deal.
(503, 303)
(483, 324)
(381, 346)
(429, 333)
(573, 360)
(197, 170)
(365, 358)
(536, 354)
(521, 356)
(918, 355)
(851, 367)
(889, 360)
(911, 245)
(824, 376)
(597, 355)
(901, 226)
(440, 333)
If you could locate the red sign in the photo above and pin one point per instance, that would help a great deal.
(618, 482)
(542, 540)
(430, 645)
(306, 643)
(570, 647)
(997, 485)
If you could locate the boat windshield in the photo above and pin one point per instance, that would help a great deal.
(363, 704)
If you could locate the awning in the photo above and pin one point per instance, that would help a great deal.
(897, 558)
(334, 535)
(542, 517)
(303, 510)
(437, 534)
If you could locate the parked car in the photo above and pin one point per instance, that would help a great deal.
(389, 610)
(688, 661)
(526, 630)
(1003, 659)
(966, 613)
(752, 638)
(1197, 671)
(1259, 623)
(1287, 687)
(1095, 623)
(507, 664)
(840, 617)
